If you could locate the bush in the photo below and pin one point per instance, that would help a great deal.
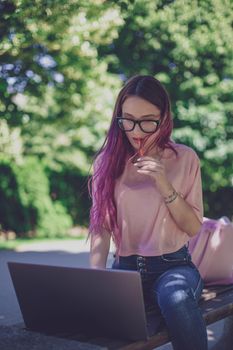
(13, 215)
(70, 188)
(24, 191)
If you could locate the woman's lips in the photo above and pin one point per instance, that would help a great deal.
(137, 140)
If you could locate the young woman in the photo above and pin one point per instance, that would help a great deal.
(147, 196)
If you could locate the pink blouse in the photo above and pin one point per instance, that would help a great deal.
(147, 228)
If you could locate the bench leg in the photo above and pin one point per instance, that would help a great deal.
(226, 340)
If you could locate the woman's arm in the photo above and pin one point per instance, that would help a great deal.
(100, 245)
(181, 211)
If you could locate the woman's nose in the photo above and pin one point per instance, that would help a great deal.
(137, 132)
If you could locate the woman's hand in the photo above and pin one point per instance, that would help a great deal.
(182, 213)
(152, 167)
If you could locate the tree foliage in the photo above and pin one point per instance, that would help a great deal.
(28, 207)
(188, 46)
(63, 62)
(54, 86)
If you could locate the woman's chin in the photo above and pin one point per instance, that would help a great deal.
(135, 145)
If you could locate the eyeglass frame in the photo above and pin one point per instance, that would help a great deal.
(139, 123)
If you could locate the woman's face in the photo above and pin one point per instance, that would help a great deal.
(137, 108)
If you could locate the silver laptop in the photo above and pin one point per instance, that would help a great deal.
(95, 302)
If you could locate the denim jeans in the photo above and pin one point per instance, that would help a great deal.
(172, 287)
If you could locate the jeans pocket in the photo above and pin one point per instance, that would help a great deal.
(174, 259)
(179, 256)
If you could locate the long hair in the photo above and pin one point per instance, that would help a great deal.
(110, 160)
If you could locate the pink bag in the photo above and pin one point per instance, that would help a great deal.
(212, 251)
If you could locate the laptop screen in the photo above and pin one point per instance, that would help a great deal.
(100, 302)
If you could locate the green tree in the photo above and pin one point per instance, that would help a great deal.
(26, 205)
(56, 94)
(63, 62)
(54, 85)
(188, 46)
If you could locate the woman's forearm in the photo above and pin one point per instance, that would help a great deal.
(184, 216)
(100, 245)
(181, 211)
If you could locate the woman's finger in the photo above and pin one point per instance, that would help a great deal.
(151, 168)
(142, 163)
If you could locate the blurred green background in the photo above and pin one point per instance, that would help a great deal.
(62, 63)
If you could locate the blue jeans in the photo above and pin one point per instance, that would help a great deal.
(172, 287)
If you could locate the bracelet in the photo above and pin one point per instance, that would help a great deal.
(171, 197)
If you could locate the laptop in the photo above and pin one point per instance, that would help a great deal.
(95, 302)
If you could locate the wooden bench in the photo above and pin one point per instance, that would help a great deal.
(216, 304)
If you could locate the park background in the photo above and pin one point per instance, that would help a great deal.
(62, 64)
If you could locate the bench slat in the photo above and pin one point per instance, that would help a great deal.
(213, 291)
(218, 308)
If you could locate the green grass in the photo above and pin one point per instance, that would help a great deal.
(4, 245)
(14, 243)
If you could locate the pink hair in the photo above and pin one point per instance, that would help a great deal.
(110, 160)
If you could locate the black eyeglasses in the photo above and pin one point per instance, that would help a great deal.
(148, 126)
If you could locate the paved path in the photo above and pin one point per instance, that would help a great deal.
(62, 253)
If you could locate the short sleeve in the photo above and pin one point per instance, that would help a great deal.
(193, 195)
